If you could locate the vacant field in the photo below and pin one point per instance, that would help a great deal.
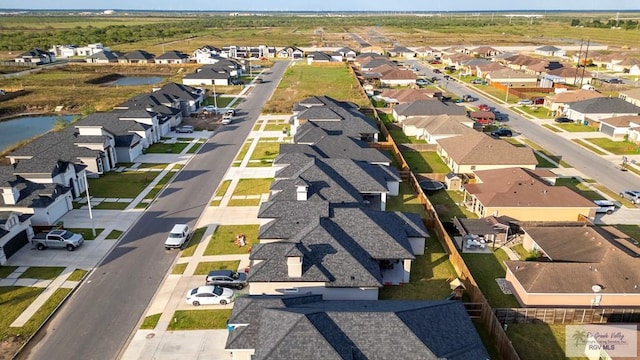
(71, 87)
(302, 81)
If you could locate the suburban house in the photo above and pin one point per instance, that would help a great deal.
(331, 114)
(482, 70)
(511, 77)
(558, 101)
(391, 75)
(401, 51)
(102, 57)
(484, 52)
(15, 232)
(469, 67)
(63, 51)
(313, 140)
(373, 63)
(478, 151)
(347, 54)
(348, 255)
(571, 75)
(173, 57)
(36, 56)
(436, 107)
(206, 54)
(208, 76)
(137, 57)
(521, 194)
(592, 110)
(622, 127)
(290, 52)
(631, 96)
(318, 56)
(337, 180)
(520, 62)
(262, 328)
(549, 50)
(432, 128)
(393, 97)
(577, 266)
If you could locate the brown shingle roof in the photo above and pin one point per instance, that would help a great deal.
(408, 95)
(517, 187)
(482, 149)
(621, 121)
(617, 270)
(573, 96)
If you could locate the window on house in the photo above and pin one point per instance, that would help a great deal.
(473, 167)
(291, 291)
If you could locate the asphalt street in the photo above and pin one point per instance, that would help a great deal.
(588, 163)
(97, 321)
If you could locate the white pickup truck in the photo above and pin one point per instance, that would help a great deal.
(61, 239)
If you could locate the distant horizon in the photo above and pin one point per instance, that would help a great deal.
(327, 11)
(329, 6)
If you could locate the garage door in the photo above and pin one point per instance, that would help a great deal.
(15, 244)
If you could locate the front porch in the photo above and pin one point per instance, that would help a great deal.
(392, 272)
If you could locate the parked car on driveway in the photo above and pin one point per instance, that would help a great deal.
(605, 206)
(525, 102)
(61, 239)
(209, 295)
(502, 132)
(563, 120)
(484, 107)
(631, 195)
(227, 278)
(615, 81)
(477, 82)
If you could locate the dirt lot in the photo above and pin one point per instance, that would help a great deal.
(203, 122)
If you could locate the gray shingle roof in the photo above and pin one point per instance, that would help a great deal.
(103, 55)
(331, 257)
(429, 107)
(173, 55)
(334, 146)
(316, 329)
(604, 105)
(139, 55)
(34, 195)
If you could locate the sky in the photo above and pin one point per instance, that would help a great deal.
(327, 5)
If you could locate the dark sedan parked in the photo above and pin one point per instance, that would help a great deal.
(563, 120)
(502, 132)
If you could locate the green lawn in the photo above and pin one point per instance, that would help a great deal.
(222, 240)
(276, 125)
(302, 80)
(429, 274)
(631, 230)
(543, 162)
(520, 250)
(407, 201)
(400, 138)
(485, 268)
(243, 151)
(109, 185)
(537, 147)
(110, 206)
(425, 162)
(243, 202)
(13, 301)
(252, 187)
(150, 321)
(203, 268)
(588, 146)
(42, 272)
(87, 234)
(114, 235)
(579, 187)
(616, 147)
(162, 148)
(77, 275)
(178, 269)
(160, 185)
(575, 127)
(446, 205)
(199, 319)
(6, 271)
(194, 241)
(194, 149)
(222, 189)
(266, 152)
(532, 340)
(538, 112)
(161, 166)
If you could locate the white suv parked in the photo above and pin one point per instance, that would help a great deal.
(177, 237)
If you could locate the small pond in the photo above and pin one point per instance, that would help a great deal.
(136, 80)
(13, 131)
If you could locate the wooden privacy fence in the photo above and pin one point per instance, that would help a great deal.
(567, 316)
(481, 309)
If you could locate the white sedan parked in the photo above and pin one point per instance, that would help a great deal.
(209, 295)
